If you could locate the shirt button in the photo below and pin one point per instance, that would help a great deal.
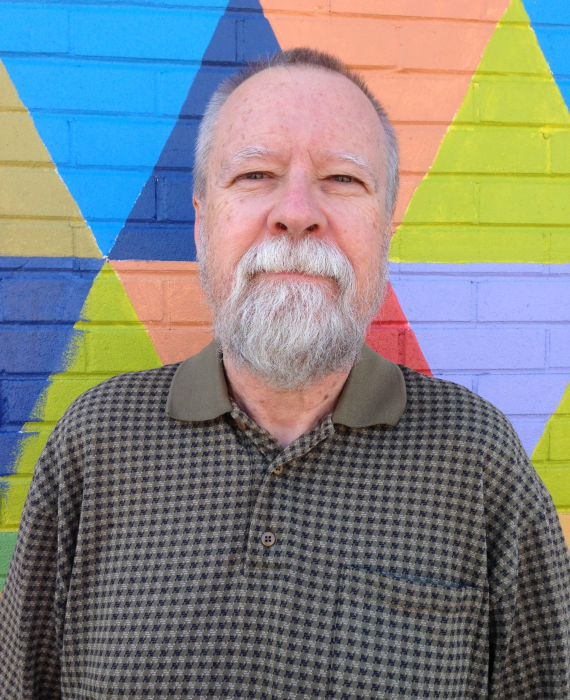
(268, 539)
(278, 470)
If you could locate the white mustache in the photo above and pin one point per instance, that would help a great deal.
(309, 256)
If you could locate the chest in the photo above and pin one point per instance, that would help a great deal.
(359, 561)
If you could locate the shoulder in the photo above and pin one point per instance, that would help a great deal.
(461, 418)
(451, 404)
(473, 432)
(134, 393)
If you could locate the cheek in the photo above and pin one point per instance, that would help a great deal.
(234, 228)
(220, 215)
(357, 232)
(368, 263)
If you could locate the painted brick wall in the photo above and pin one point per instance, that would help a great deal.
(99, 106)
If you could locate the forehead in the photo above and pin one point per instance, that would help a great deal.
(300, 107)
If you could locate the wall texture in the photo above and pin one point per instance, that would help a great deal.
(99, 104)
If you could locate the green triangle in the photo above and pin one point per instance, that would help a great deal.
(513, 48)
(109, 339)
(490, 195)
(551, 456)
(7, 547)
(515, 13)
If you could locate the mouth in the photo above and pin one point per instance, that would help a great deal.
(328, 284)
(294, 274)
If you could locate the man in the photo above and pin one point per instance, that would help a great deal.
(287, 514)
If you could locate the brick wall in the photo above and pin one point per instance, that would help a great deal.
(99, 106)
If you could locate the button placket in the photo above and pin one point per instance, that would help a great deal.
(263, 548)
(268, 524)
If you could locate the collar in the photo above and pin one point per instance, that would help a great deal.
(374, 393)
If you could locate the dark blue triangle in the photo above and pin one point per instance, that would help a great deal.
(161, 223)
(41, 299)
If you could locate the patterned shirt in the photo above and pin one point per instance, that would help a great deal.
(170, 548)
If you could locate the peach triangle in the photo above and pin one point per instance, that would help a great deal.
(418, 57)
(168, 300)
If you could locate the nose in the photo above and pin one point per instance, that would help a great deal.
(297, 210)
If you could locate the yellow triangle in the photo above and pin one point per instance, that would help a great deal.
(490, 195)
(515, 14)
(551, 456)
(38, 215)
(109, 339)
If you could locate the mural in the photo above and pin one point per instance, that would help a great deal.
(99, 107)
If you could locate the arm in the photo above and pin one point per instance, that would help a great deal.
(32, 606)
(529, 576)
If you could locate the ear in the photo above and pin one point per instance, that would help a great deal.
(197, 221)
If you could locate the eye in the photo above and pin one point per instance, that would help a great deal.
(343, 178)
(255, 176)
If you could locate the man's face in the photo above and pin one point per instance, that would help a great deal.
(298, 151)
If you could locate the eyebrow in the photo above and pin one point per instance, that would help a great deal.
(357, 160)
(250, 152)
(247, 153)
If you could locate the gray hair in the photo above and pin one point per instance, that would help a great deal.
(292, 57)
(293, 333)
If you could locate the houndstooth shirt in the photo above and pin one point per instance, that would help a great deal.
(170, 548)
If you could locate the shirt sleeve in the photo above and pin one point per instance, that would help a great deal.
(529, 577)
(32, 605)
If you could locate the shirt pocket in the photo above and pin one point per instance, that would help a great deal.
(395, 638)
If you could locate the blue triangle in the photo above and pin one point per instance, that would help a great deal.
(161, 223)
(106, 104)
(550, 20)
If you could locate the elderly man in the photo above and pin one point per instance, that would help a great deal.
(287, 514)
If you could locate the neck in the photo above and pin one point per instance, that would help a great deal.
(284, 414)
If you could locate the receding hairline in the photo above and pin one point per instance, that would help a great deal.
(306, 67)
(301, 57)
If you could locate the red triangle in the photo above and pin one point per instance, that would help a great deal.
(391, 336)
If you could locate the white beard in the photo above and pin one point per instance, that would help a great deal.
(292, 333)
